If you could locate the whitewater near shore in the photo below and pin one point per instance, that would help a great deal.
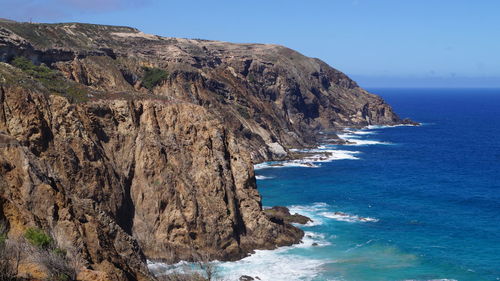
(292, 262)
(404, 203)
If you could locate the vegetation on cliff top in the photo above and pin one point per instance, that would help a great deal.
(47, 35)
(52, 80)
(153, 77)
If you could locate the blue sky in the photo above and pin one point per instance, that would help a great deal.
(397, 43)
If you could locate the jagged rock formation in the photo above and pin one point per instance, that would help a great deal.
(282, 214)
(270, 96)
(131, 172)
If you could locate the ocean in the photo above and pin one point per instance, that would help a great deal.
(402, 203)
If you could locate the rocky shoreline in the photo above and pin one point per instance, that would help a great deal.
(324, 138)
(121, 146)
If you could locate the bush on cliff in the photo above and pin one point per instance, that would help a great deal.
(59, 265)
(51, 79)
(153, 77)
(37, 71)
(38, 238)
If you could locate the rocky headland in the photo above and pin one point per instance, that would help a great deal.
(125, 146)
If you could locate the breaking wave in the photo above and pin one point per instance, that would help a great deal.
(354, 137)
(320, 210)
(259, 177)
(341, 216)
(280, 264)
(371, 127)
(322, 154)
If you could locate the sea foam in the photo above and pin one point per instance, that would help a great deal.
(280, 264)
(341, 216)
(322, 154)
(371, 127)
(272, 265)
(259, 177)
(354, 138)
(310, 211)
(320, 210)
(284, 263)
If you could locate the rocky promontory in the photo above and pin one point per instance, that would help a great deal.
(124, 146)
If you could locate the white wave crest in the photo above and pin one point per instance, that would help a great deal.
(360, 131)
(319, 211)
(160, 269)
(324, 154)
(272, 265)
(283, 164)
(312, 239)
(259, 177)
(310, 211)
(354, 138)
(328, 155)
(314, 207)
(279, 264)
(341, 216)
(371, 127)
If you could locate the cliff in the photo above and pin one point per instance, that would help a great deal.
(125, 145)
(270, 96)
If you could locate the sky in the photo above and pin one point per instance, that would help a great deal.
(379, 43)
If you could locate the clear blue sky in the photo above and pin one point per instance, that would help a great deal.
(449, 43)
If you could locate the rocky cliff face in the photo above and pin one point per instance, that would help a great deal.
(271, 97)
(128, 172)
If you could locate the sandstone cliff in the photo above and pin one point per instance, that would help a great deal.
(123, 172)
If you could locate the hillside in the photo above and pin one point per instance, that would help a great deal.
(126, 146)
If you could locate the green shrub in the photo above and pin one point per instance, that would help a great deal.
(76, 94)
(153, 77)
(39, 72)
(52, 80)
(60, 252)
(61, 277)
(22, 63)
(38, 238)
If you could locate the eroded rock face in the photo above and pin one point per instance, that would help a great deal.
(268, 95)
(162, 173)
(100, 174)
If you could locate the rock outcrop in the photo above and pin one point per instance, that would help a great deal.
(271, 97)
(283, 215)
(128, 172)
(101, 173)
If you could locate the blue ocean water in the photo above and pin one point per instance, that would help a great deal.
(406, 203)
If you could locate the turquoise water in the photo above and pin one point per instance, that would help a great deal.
(416, 203)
